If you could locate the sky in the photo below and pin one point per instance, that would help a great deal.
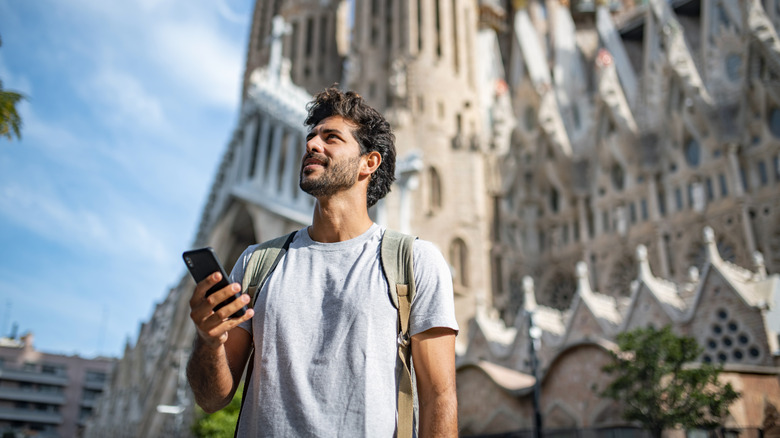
(129, 106)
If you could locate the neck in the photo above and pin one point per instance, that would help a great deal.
(339, 219)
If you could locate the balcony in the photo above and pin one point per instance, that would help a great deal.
(19, 375)
(96, 385)
(89, 403)
(18, 394)
(29, 415)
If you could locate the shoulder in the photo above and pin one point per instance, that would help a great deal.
(238, 269)
(427, 253)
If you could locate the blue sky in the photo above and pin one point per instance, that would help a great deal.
(129, 108)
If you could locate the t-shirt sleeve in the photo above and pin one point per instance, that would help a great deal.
(237, 275)
(433, 304)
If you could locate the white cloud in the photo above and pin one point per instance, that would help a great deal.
(116, 230)
(227, 12)
(206, 62)
(123, 100)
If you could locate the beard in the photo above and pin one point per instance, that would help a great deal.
(336, 176)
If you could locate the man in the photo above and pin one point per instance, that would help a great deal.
(323, 326)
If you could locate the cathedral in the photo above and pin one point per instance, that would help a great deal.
(586, 167)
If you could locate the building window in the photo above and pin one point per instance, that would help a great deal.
(678, 201)
(459, 261)
(389, 26)
(692, 153)
(724, 187)
(309, 36)
(454, 27)
(529, 118)
(438, 27)
(617, 176)
(690, 195)
(662, 202)
(733, 66)
(57, 370)
(763, 175)
(710, 191)
(774, 122)
(743, 178)
(419, 26)
(434, 190)
(643, 208)
(554, 200)
(777, 168)
(323, 36)
(632, 212)
(294, 42)
(255, 141)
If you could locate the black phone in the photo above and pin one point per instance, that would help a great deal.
(203, 262)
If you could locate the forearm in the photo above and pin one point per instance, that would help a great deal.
(210, 377)
(439, 415)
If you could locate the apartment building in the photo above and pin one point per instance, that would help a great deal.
(47, 395)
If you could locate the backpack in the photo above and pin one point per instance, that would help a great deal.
(397, 264)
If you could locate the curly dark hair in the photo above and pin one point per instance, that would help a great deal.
(373, 133)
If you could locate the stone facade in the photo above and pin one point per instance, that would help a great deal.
(565, 156)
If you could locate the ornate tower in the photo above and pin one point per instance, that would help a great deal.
(315, 40)
(419, 62)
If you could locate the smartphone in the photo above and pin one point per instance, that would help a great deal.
(204, 262)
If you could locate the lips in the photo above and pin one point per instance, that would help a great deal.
(312, 160)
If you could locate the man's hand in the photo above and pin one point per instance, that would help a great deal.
(433, 355)
(216, 364)
(213, 327)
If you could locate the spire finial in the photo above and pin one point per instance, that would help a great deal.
(278, 30)
(710, 245)
(583, 283)
(529, 303)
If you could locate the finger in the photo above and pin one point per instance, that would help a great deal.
(223, 294)
(231, 308)
(204, 285)
(213, 327)
(202, 310)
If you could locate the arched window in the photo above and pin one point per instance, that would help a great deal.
(554, 200)
(618, 176)
(459, 255)
(774, 122)
(434, 190)
(692, 152)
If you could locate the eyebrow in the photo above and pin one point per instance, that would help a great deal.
(313, 132)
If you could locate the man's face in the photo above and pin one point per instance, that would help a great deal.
(332, 160)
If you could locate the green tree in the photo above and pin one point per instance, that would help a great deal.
(10, 121)
(660, 386)
(220, 424)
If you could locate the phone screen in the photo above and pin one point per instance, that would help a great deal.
(203, 262)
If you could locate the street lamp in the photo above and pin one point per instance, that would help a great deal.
(535, 336)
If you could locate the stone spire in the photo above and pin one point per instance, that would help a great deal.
(278, 31)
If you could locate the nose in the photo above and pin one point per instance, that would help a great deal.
(314, 144)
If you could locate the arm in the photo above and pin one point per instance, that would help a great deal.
(433, 354)
(221, 349)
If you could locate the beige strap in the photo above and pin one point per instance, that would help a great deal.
(405, 391)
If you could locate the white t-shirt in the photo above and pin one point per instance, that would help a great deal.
(326, 337)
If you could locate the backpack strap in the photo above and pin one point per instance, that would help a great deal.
(398, 266)
(261, 263)
(263, 260)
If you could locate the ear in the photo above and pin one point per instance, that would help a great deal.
(370, 163)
